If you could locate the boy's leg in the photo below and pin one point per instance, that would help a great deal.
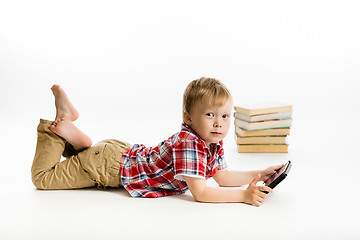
(69, 150)
(98, 165)
(47, 172)
(102, 162)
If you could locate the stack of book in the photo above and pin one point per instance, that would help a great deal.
(262, 128)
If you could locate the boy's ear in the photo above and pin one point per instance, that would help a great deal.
(187, 118)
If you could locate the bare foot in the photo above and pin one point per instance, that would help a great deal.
(64, 108)
(66, 129)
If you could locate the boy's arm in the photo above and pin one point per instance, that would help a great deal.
(234, 178)
(252, 195)
(237, 178)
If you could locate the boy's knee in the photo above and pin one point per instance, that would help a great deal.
(37, 181)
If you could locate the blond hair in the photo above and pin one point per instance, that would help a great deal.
(205, 89)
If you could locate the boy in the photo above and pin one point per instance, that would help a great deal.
(184, 161)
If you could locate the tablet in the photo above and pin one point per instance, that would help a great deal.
(277, 177)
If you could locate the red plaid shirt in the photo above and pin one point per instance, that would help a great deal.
(159, 171)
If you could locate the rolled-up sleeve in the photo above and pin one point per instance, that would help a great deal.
(189, 159)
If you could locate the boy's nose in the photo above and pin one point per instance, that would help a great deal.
(217, 124)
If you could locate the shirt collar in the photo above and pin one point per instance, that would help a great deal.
(187, 128)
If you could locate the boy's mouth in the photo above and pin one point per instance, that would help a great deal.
(216, 133)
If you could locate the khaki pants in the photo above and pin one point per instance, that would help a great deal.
(98, 165)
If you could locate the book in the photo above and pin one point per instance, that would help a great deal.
(261, 140)
(266, 108)
(263, 132)
(262, 117)
(268, 148)
(263, 124)
(262, 128)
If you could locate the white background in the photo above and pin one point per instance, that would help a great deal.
(125, 65)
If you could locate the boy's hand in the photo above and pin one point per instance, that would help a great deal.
(266, 174)
(254, 195)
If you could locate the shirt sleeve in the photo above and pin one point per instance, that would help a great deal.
(221, 163)
(189, 159)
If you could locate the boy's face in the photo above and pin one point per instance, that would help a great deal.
(211, 123)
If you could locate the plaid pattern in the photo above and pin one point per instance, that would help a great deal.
(159, 171)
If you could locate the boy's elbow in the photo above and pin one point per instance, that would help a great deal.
(202, 200)
(221, 183)
(197, 187)
(220, 179)
(199, 196)
(197, 199)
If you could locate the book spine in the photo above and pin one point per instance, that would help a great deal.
(283, 148)
(262, 117)
(262, 140)
(263, 132)
(263, 125)
(258, 111)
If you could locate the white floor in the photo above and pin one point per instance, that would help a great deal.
(318, 199)
(125, 67)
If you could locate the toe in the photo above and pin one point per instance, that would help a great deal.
(54, 88)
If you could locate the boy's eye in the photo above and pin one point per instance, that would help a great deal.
(210, 114)
(225, 116)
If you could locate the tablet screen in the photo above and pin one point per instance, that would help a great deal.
(276, 175)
